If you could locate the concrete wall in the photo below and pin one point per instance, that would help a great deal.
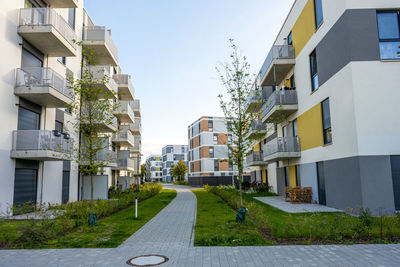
(308, 178)
(100, 187)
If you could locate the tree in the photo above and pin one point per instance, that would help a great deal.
(237, 79)
(179, 171)
(142, 171)
(93, 108)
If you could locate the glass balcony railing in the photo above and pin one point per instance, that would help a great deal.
(124, 79)
(282, 144)
(124, 135)
(45, 17)
(277, 98)
(43, 77)
(390, 50)
(102, 73)
(100, 33)
(276, 52)
(255, 156)
(258, 126)
(42, 140)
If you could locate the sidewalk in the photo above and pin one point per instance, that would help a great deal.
(170, 233)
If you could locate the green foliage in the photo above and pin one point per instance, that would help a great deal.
(181, 183)
(263, 188)
(179, 171)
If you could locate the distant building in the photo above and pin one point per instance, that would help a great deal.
(171, 154)
(154, 167)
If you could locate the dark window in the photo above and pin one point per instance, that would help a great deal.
(216, 165)
(295, 127)
(65, 187)
(321, 183)
(230, 166)
(28, 120)
(215, 139)
(319, 16)
(395, 162)
(25, 188)
(62, 60)
(210, 126)
(229, 139)
(292, 82)
(289, 39)
(314, 71)
(297, 168)
(284, 131)
(71, 17)
(29, 60)
(389, 34)
(170, 150)
(326, 122)
(59, 126)
(211, 150)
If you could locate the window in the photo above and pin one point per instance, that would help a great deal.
(229, 139)
(211, 150)
(229, 126)
(295, 127)
(292, 82)
(289, 39)
(389, 34)
(170, 150)
(59, 126)
(62, 60)
(27, 119)
(314, 71)
(326, 122)
(284, 131)
(210, 126)
(215, 139)
(319, 16)
(230, 167)
(216, 165)
(71, 17)
(183, 149)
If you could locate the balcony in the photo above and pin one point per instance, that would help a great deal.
(124, 163)
(102, 80)
(124, 112)
(137, 146)
(100, 121)
(105, 155)
(136, 107)
(279, 105)
(257, 98)
(98, 39)
(282, 148)
(124, 138)
(47, 31)
(258, 129)
(125, 87)
(277, 65)
(43, 86)
(255, 159)
(41, 145)
(136, 126)
(62, 3)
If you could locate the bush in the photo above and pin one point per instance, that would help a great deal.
(263, 188)
(181, 182)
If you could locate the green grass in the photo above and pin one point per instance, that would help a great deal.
(312, 228)
(216, 225)
(110, 231)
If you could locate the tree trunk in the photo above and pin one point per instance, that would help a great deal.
(91, 193)
(240, 186)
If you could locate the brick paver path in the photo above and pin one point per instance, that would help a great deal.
(170, 233)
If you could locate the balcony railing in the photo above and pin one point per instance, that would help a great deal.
(43, 77)
(100, 33)
(277, 98)
(125, 81)
(124, 135)
(42, 140)
(101, 73)
(136, 104)
(106, 155)
(126, 163)
(45, 17)
(137, 125)
(276, 52)
(282, 145)
(258, 126)
(255, 157)
(125, 107)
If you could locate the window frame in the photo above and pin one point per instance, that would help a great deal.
(211, 148)
(314, 70)
(388, 40)
(326, 129)
(210, 122)
(317, 25)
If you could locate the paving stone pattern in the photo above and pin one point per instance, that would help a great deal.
(280, 203)
(170, 233)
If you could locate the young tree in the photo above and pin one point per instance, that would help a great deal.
(142, 171)
(237, 79)
(93, 108)
(179, 170)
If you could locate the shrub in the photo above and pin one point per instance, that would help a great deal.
(181, 182)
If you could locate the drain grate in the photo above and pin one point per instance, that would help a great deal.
(147, 260)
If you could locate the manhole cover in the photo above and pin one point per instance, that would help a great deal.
(147, 260)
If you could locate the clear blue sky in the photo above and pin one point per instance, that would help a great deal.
(171, 49)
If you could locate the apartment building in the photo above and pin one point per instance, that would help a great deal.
(38, 135)
(208, 152)
(171, 154)
(320, 83)
(154, 168)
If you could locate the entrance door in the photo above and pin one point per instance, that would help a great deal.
(395, 162)
(25, 188)
(321, 183)
(65, 187)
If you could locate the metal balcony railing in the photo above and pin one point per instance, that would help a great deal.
(125, 107)
(255, 156)
(45, 17)
(282, 144)
(282, 97)
(124, 79)
(100, 33)
(106, 155)
(136, 104)
(258, 126)
(126, 163)
(124, 135)
(276, 52)
(102, 72)
(41, 77)
(41, 140)
(137, 125)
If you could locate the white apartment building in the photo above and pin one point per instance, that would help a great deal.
(38, 52)
(171, 154)
(154, 167)
(330, 64)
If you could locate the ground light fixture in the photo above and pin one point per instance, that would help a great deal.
(147, 260)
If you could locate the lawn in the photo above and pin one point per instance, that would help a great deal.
(110, 231)
(216, 225)
(313, 228)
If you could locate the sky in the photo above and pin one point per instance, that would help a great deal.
(171, 48)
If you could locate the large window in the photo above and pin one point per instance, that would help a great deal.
(289, 39)
(314, 71)
(215, 139)
(389, 34)
(71, 17)
(326, 122)
(210, 126)
(216, 165)
(295, 127)
(211, 151)
(319, 16)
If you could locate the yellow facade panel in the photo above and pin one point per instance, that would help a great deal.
(304, 27)
(309, 128)
(264, 176)
(292, 176)
(256, 148)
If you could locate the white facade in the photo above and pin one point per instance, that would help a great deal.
(171, 154)
(154, 168)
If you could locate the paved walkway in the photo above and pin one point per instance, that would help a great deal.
(280, 203)
(170, 233)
